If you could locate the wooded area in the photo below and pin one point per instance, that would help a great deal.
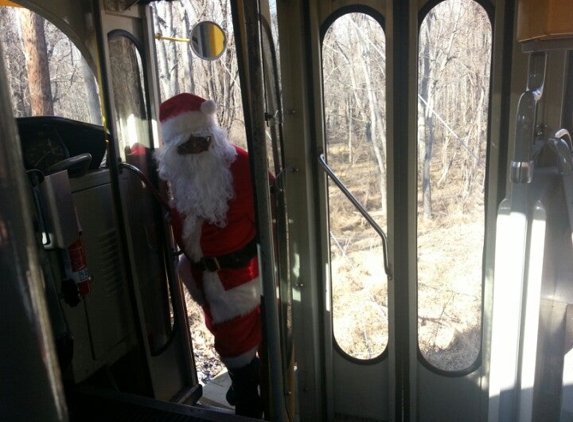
(46, 72)
(453, 87)
(182, 71)
(33, 46)
(454, 64)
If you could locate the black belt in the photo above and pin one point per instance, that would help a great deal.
(237, 259)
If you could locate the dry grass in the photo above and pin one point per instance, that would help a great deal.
(449, 268)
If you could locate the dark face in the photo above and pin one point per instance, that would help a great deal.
(195, 145)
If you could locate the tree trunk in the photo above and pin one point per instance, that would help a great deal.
(165, 85)
(34, 40)
(174, 70)
(426, 176)
(189, 81)
(425, 126)
(378, 138)
(350, 129)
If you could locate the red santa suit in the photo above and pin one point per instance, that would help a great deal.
(232, 295)
(215, 230)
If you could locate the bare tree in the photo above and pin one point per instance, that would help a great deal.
(48, 75)
(92, 103)
(455, 49)
(14, 60)
(453, 90)
(425, 117)
(437, 38)
(214, 79)
(35, 50)
(164, 26)
(354, 95)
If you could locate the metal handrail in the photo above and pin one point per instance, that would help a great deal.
(361, 209)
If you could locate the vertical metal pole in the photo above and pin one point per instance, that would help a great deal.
(399, 115)
(256, 137)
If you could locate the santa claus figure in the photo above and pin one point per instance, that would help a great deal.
(213, 217)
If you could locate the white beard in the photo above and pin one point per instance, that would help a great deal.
(201, 184)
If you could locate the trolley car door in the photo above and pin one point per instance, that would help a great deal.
(392, 283)
(129, 91)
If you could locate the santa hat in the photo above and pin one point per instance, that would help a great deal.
(185, 114)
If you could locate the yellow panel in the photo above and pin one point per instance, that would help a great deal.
(8, 3)
(544, 19)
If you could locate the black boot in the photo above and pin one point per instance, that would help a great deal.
(244, 391)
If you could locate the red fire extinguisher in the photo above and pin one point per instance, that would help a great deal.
(79, 267)
(76, 283)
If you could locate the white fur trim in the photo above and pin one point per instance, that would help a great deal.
(201, 184)
(228, 304)
(186, 123)
(209, 107)
(241, 360)
(185, 275)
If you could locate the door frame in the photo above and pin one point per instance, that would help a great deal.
(408, 378)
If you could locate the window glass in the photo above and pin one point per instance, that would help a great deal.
(130, 113)
(354, 75)
(56, 80)
(453, 93)
(129, 94)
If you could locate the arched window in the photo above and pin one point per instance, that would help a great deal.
(453, 99)
(354, 72)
